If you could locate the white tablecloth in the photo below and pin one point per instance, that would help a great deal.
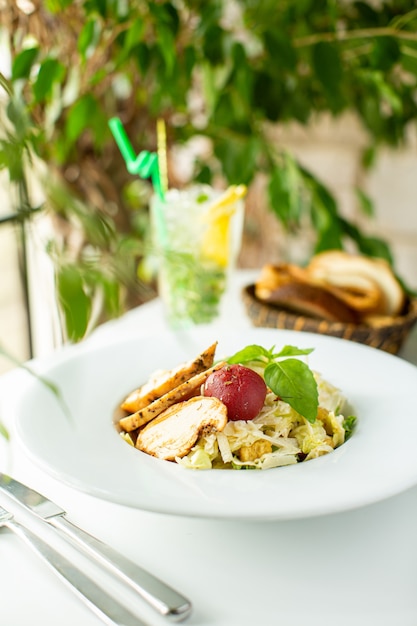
(358, 567)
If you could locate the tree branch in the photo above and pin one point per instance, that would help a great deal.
(361, 33)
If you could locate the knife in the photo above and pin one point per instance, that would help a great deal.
(108, 609)
(163, 598)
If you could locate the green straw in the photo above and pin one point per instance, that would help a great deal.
(145, 164)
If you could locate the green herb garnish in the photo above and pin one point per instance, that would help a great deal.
(349, 424)
(289, 378)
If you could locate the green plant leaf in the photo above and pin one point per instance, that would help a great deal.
(54, 6)
(367, 244)
(100, 7)
(285, 192)
(386, 53)
(213, 46)
(50, 72)
(327, 65)
(409, 57)
(241, 79)
(279, 199)
(81, 116)
(324, 215)
(11, 157)
(280, 50)
(111, 292)
(88, 37)
(329, 70)
(379, 89)
(329, 236)
(189, 59)
(6, 84)
(166, 14)
(365, 202)
(167, 48)
(268, 95)
(369, 156)
(23, 63)
(293, 381)
(134, 34)
(143, 55)
(75, 303)
(238, 155)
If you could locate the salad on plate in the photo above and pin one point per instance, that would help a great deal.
(257, 409)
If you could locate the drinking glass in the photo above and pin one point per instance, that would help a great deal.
(196, 235)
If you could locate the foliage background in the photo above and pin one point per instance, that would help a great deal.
(223, 71)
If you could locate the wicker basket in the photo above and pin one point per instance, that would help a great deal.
(389, 337)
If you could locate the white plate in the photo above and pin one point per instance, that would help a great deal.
(86, 452)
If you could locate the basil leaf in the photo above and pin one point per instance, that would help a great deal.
(251, 353)
(292, 351)
(293, 381)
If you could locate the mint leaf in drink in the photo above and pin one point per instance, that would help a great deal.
(293, 381)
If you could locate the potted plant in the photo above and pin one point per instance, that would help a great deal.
(224, 72)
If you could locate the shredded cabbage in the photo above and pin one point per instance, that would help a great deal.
(278, 436)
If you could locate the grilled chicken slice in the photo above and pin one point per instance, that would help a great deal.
(164, 381)
(174, 432)
(184, 391)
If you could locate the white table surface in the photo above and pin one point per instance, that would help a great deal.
(356, 568)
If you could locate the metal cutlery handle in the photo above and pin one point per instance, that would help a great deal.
(107, 608)
(158, 594)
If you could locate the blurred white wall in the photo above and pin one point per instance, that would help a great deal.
(333, 149)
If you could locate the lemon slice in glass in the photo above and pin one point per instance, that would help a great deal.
(216, 240)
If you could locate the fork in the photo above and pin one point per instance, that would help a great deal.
(107, 608)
